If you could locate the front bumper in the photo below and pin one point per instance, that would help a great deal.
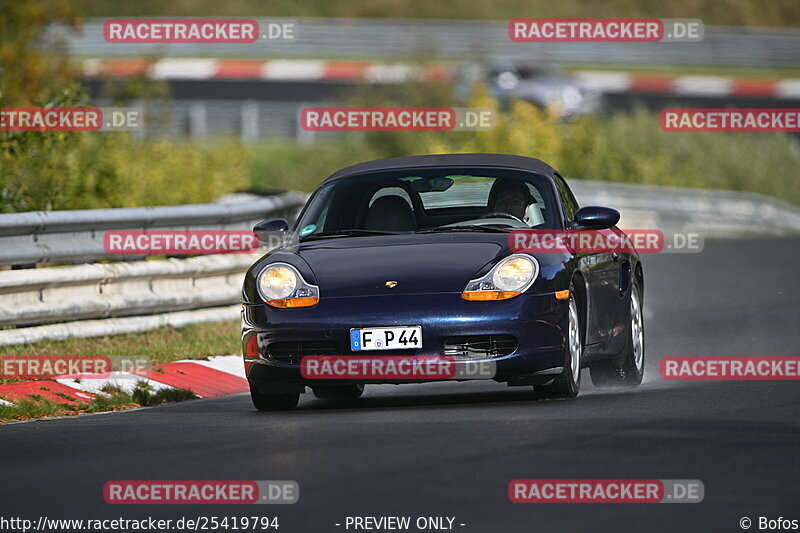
(537, 321)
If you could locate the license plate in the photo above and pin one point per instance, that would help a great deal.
(395, 338)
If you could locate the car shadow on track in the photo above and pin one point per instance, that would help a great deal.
(454, 398)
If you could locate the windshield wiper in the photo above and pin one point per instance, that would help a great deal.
(350, 233)
(469, 227)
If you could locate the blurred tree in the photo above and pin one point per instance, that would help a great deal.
(34, 69)
(43, 170)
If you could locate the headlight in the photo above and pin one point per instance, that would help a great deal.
(277, 281)
(513, 274)
(281, 285)
(509, 278)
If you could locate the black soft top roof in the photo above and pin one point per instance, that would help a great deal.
(511, 162)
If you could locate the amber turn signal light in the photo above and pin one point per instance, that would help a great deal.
(488, 296)
(287, 303)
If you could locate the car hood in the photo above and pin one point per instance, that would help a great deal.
(362, 266)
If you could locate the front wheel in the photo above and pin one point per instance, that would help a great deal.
(273, 402)
(626, 370)
(568, 383)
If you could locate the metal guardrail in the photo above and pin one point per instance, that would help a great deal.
(60, 294)
(714, 213)
(110, 298)
(64, 236)
(36, 296)
(460, 39)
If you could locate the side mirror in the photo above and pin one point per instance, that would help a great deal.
(272, 225)
(595, 217)
(266, 230)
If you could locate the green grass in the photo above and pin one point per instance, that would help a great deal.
(284, 164)
(624, 148)
(726, 12)
(87, 170)
(114, 400)
(195, 341)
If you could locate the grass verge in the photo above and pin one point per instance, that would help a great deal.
(195, 341)
(625, 148)
(114, 399)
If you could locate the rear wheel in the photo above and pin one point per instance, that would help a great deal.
(626, 370)
(568, 383)
(346, 392)
(273, 402)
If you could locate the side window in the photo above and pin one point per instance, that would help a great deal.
(314, 221)
(535, 213)
(567, 198)
(322, 217)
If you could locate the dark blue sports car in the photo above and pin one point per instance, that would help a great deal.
(412, 256)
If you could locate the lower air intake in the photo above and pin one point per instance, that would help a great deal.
(480, 346)
(291, 352)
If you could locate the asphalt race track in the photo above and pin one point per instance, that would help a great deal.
(451, 449)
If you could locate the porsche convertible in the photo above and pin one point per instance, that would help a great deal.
(411, 256)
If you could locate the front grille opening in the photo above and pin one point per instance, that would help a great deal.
(292, 351)
(480, 346)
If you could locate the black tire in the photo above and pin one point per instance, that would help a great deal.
(626, 370)
(273, 402)
(345, 392)
(567, 385)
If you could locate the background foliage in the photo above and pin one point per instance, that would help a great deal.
(730, 12)
(69, 170)
(73, 170)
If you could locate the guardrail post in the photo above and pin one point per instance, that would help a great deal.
(197, 121)
(249, 122)
(304, 137)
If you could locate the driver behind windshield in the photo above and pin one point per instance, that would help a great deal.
(509, 196)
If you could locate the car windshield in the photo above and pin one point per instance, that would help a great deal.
(427, 201)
